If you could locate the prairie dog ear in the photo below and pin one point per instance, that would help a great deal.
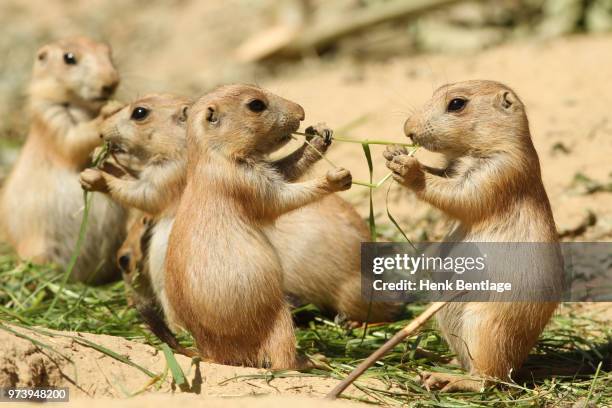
(212, 114)
(506, 101)
(183, 114)
(42, 54)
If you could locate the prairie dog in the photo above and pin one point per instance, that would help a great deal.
(131, 259)
(329, 230)
(493, 188)
(223, 276)
(42, 201)
(148, 142)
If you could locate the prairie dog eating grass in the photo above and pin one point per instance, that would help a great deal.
(223, 276)
(42, 202)
(493, 188)
(148, 138)
(147, 141)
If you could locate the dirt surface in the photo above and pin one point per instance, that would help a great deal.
(47, 358)
(190, 400)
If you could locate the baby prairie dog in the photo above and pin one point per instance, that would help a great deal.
(148, 137)
(493, 188)
(223, 276)
(148, 145)
(42, 202)
(147, 140)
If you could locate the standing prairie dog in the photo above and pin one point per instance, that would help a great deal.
(42, 202)
(149, 136)
(223, 276)
(493, 188)
(147, 141)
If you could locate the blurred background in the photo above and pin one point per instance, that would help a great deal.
(361, 66)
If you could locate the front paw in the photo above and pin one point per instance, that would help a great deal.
(319, 144)
(394, 150)
(93, 180)
(110, 166)
(406, 170)
(319, 136)
(339, 179)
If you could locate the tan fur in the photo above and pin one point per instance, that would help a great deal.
(42, 201)
(223, 276)
(150, 156)
(132, 262)
(492, 186)
(328, 231)
(131, 256)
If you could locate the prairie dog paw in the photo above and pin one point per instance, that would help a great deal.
(450, 382)
(406, 169)
(322, 130)
(339, 179)
(318, 143)
(111, 167)
(394, 150)
(93, 180)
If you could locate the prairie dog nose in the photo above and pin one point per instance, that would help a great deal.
(109, 88)
(409, 130)
(300, 112)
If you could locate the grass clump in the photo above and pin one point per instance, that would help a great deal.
(27, 292)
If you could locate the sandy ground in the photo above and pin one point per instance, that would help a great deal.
(190, 400)
(62, 359)
(564, 84)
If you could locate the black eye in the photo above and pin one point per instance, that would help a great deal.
(456, 105)
(139, 113)
(257, 105)
(70, 58)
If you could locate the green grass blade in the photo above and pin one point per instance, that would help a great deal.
(371, 220)
(33, 341)
(393, 220)
(87, 198)
(588, 398)
(111, 353)
(175, 368)
(75, 254)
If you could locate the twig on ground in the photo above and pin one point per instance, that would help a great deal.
(412, 327)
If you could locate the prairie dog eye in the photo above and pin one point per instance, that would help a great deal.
(257, 105)
(70, 58)
(139, 113)
(456, 105)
